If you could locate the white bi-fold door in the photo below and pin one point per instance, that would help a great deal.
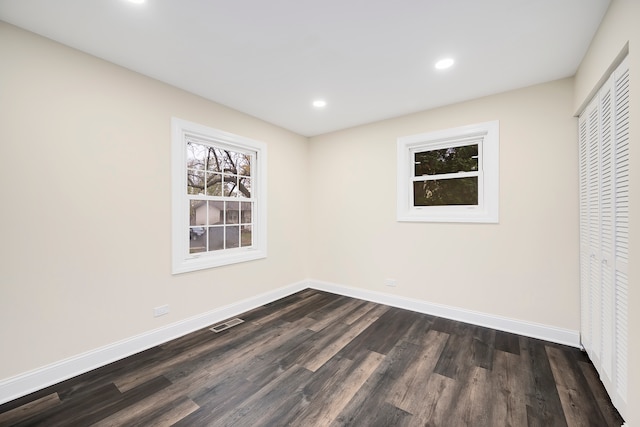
(603, 133)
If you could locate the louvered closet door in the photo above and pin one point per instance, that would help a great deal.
(621, 227)
(590, 261)
(593, 200)
(585, 253)
(606, 229)
(603, 131)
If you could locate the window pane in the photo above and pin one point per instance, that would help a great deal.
(228, 162)
(446, 160)
(245, 213)
(232, 213)
(244, 187)
(215, 159)
(197, 239)
(197, 212)
(214, 184)
(245, 236)
(196, 155)
(195, 182)
(230, 185)
(443, 192)
(243, 164)
(216, 210)
(216, 238)
(236, 163)
(232, 237)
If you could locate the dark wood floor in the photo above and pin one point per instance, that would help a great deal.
(319, 359)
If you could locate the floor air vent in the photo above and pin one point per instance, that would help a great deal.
(226, 325)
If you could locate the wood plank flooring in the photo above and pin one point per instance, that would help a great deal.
(319, 359)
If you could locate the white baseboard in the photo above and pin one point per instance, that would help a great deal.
(520, 327)
(21, 385)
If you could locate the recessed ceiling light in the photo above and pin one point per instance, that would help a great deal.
(137, 1)
(319, 103)
(444, 63)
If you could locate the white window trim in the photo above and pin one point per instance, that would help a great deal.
(487, 136)
(182, 260)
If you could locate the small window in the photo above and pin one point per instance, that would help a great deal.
(450, 175)
(219, 204)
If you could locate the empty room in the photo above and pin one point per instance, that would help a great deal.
(413, 213)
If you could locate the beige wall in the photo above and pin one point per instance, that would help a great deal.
(86, 204)
(525, 267)
(619, 27)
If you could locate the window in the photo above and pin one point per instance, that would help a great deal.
(219, 199)
(449, 175)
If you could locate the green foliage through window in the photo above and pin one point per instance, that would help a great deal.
(447, 160)
(448, 188)
(458, 191)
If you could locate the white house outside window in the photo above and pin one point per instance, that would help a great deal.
(449, 175)
(219, 201)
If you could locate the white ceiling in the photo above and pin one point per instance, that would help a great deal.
(369, 59)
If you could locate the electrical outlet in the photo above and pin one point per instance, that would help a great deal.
(390, 282)
(161, 310)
